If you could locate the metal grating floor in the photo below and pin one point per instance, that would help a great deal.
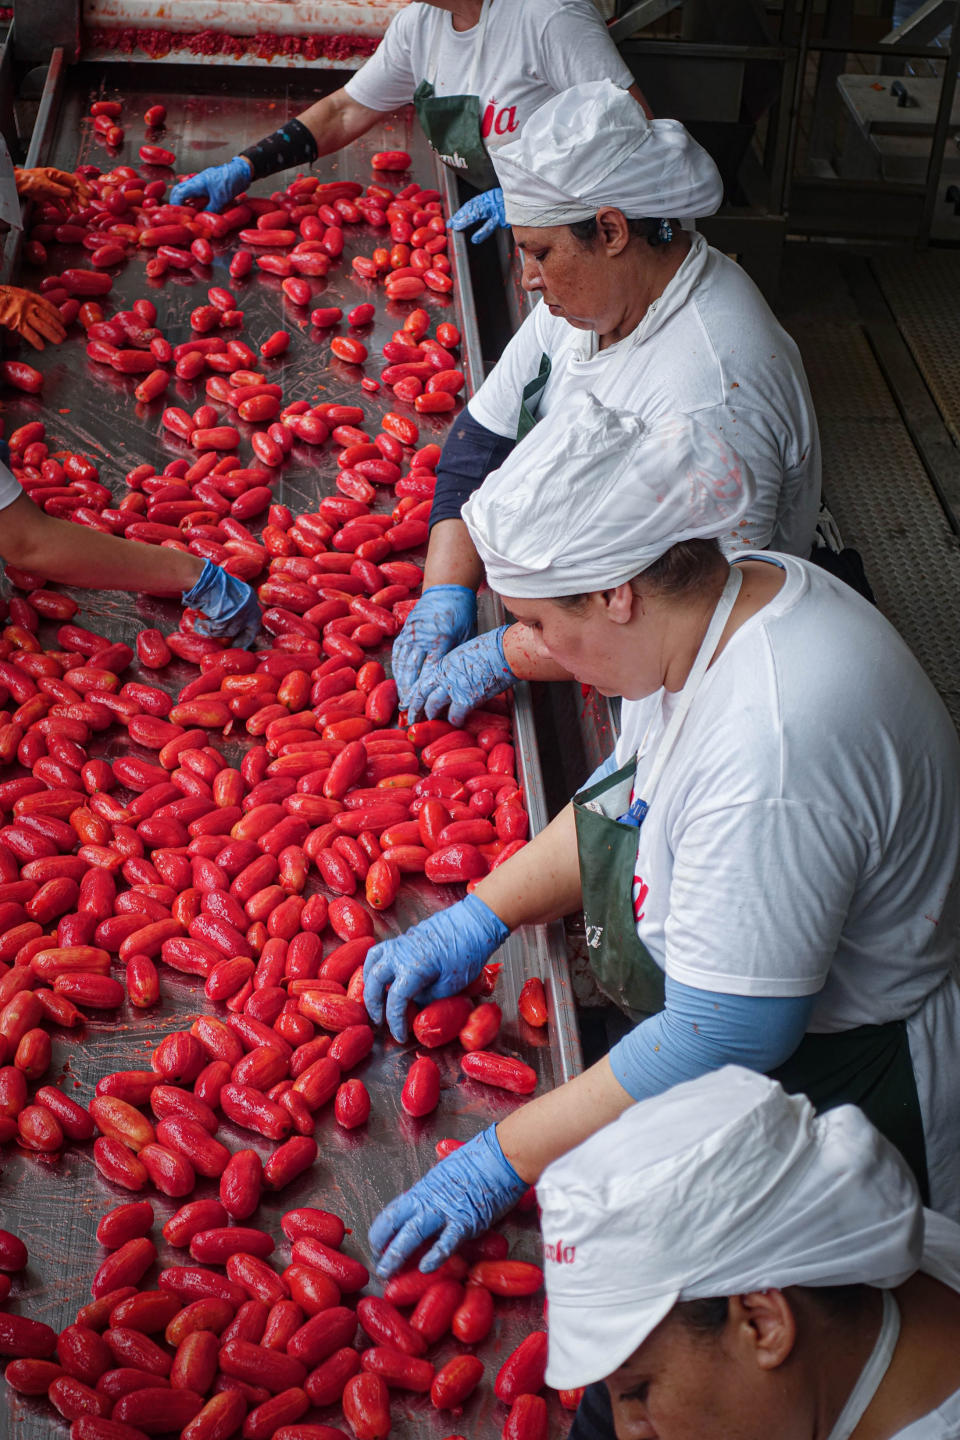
(924, 293)
(874, 481)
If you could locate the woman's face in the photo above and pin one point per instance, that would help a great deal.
(684, 1385)
(576, 280)
(610, 640)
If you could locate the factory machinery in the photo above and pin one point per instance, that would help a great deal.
(828, 121)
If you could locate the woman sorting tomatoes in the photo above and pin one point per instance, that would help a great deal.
(646, 316)
(30, 539)
(474, 70)
(720, 1261)
(768, 865)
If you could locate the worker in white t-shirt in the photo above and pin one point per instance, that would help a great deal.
(646, 316)
(722, 1262)
(768, 867)
(61, 551)
(474, 70)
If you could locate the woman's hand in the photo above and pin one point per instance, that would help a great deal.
(461, 1196)
(229, 606)
(46, 183)
(436, 958)
(31, 317)
(463, 679)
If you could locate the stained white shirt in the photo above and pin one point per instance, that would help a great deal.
(532, 50)
(10, 488)
(709, 347)
(804, 838)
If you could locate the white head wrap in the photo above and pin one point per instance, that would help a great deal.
(591, 500)
(592, 145)
(720, 1186)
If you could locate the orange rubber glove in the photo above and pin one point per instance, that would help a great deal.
(31, 316)
(47, 183)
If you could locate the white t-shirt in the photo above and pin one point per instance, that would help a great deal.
(532, 50)
(10, 488)
(709, 347)
(804, 838)
(941, 1259)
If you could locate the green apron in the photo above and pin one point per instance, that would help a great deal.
(530, 398)
(451, 123)
(869, 1066)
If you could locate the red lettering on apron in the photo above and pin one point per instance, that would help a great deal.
(640, 898)
(506, 120)
(486, 124)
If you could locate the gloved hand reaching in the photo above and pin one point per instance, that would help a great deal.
(220, 184)
(47, 183)
(461, 1197)
(489, 207)
(436, 958)
(462, 679)
(30, 316)
(443, 617)
(230, 608)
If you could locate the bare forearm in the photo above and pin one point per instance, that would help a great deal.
(527, 656)
(641, 100)
(549, 1126)
(542, 881)
(74, 555)
(336, 120)
(451, 557)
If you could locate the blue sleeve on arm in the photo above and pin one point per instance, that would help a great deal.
(702, 1030)
(608, 767)
(470, 453)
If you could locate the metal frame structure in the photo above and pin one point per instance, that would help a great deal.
(776, 197)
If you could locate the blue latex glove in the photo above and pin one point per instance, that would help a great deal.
(4, 452)
(488, 207)
(443, 617)
(436, 958)
(230, 608)
(463, 679)
(220, 184)
(461, 1196)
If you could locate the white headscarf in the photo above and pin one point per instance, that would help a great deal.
(720, 1186)
(592, 145)
(590, 500)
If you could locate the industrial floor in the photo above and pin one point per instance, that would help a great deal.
(881, 346)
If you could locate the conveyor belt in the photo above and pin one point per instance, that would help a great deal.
(55, 1204)
(874, 480)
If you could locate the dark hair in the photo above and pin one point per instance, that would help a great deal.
(839, 1302)
(586, 230)
(684, 570)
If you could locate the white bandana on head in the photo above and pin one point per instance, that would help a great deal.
(591, 146)
(720, 1186)
(590, 501)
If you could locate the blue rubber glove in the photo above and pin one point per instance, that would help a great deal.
(4, 452)
(443, 617)
(488, 207)
(461, 1197)
(463, 679)
(220, 184)
(230, 608)
(436, 958)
